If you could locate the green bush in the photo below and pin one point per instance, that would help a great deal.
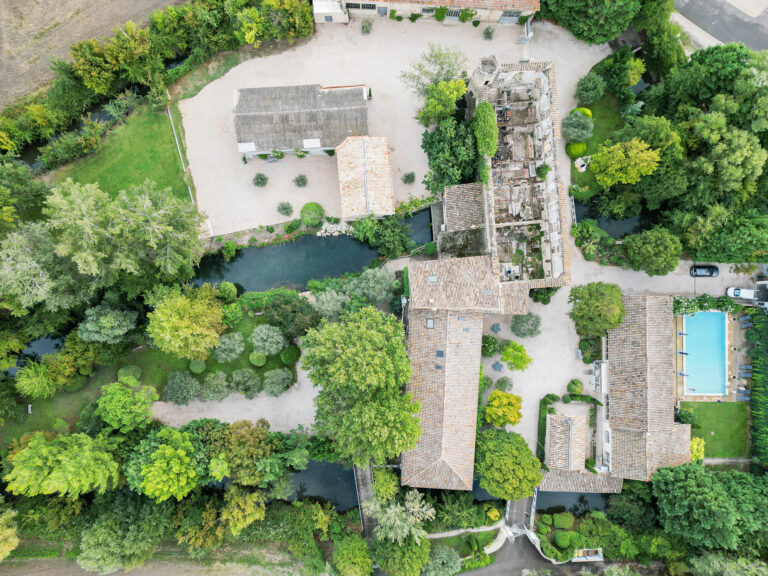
(414, 16)
(567, 398)
(227, 292)
(480, 560)
(546, 519)
(504, 384)
(562, 539)
(180, 388)
(575, 386)
(366, 28)
(197, 366)
(290, 355)
(475, 23)
(440, 13)
(229, 250)
(577, 127)
(575, 149)
(292, 226)
(490, 346)
(260, 180)
(285, 208)
(466, 15)
(586, 111)
(258, 359)
(278, 154)
(300, 180)
(430, 248)
(525, 325)
(231, 314)
(542, 528)
(129, 371)
(312, 214)
(409, 178)
(563, 521)
(488, 33)
(590, 88)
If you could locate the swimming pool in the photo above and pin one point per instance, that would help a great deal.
(705, 360)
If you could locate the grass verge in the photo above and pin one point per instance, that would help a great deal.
(141, 148)
(461, 543)
(724, 428)
(605, 113)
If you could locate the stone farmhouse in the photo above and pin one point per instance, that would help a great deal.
(634, 432)
(498, 11)
(494, 244)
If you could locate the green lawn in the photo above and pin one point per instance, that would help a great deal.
(155, 367)
(141, 148)
(605, 114)
(724, 427)
(461, 543)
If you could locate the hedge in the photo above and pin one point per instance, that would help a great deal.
(758, 402)
(563, 521)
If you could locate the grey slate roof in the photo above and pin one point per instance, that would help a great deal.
(282, 117)
(455, 284)
(463, 207)
(644, 435)
(446, 373)
(566, 442)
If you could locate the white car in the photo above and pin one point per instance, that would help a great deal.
(741, 293)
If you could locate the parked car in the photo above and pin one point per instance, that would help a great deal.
(743, 293)
(704, 271)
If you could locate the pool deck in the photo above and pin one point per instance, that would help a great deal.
(734, 357)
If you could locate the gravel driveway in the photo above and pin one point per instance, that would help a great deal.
(341, 55)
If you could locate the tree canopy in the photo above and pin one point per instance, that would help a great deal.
(507, 467)
(596, 308)
(656, 251)
(126, 405)
(361, 366)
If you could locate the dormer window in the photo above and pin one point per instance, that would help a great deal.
(430, 322)
(432, 278)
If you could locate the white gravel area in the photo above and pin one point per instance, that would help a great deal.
(341, 55)
(293, 408)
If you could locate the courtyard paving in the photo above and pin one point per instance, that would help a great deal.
(341, 55)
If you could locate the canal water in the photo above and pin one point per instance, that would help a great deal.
(328, 480)
(616, 228)
(574, 502)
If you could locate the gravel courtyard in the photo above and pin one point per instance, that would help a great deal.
(285, 413)
(341, 55)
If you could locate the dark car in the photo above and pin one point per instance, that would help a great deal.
(704, 271)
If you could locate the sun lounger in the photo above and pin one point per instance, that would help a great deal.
(746, 325)
(745, 375)
(745, 366)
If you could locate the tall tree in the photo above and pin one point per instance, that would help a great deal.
(126, 405)
(401, 519)
(361, 366)
(441, 101)
(451, 154)
(351, 556)
(406, 560)
(594, 21)
(694, 506)
(507, 467)
(623, 162)
(596, 308)
(486, 129)
(436, 64)
(104, 323)
(67, 465)
(656, 252)
(9, 538)
(187, 323)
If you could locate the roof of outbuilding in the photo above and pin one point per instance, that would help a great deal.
(365, 177)
(566, 442)
(644, 434)
(282, 117)
(446, 371)
(575, 481)
(463, 207)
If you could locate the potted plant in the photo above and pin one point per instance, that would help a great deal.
(367, 25)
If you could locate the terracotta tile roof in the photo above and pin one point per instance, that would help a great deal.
(283, 117)
(463, 207)
(644, 435)
(566, 447)
(455, 284)
(365, 177)
(586, 482)
(446, 372)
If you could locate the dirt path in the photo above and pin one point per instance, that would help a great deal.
(65, 567)
(32, 32)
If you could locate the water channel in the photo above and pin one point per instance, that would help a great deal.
(328, 480)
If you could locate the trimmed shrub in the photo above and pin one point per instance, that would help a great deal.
(277, 381)
(130, 371)
(215, 387)
(504, 384)
(526, 325)
(267, 339)
(290, 355)
(563, 521)
(546, 519)
(285, 208)
(197, 366)
(227, 292)
(586, 111)
(386, 484)
(231, 314)
(229, 250)
(260, 180)
(247, 381)
(300, 180)
(409, 178)
(575, 386)
(430, 248)
(566, 398)
(562, 539)
(590, 88)
(490, 346)
(488, 33)
(231, 346)
(577, 127)
(576, 149)
(542, 528)
(258, 359)
(312, 214)
(292, 226)
(181, 388)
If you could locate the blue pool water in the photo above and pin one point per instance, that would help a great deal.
(706, 348)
